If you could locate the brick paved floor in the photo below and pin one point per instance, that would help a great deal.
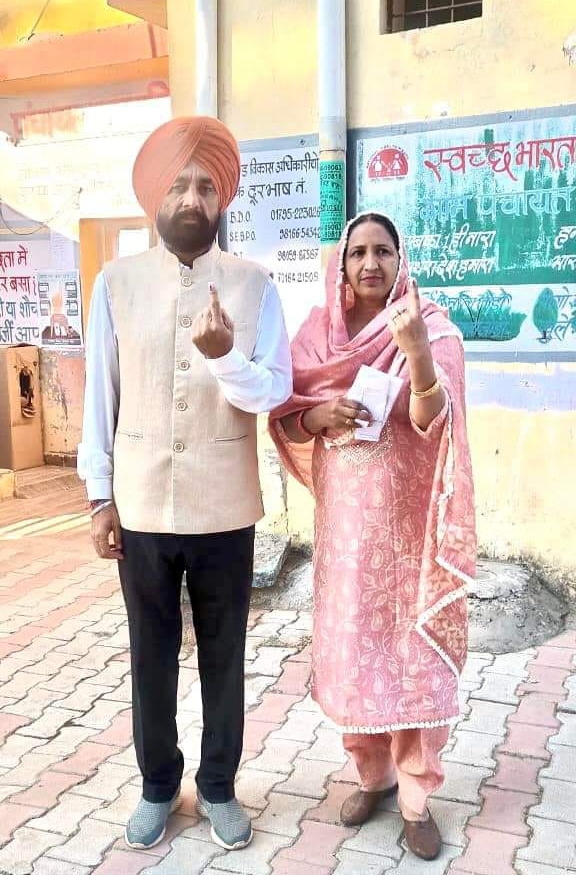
(68, 778)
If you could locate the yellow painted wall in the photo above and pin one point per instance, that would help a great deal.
(18, 17)
(511, 59)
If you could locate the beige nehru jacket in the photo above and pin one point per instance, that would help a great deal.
(185, 460)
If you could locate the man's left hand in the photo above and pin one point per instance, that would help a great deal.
(212, 330)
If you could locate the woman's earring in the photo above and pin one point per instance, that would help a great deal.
(349, 299)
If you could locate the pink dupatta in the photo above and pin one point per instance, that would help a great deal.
(325, 362)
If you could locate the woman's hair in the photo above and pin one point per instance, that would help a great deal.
(380, 220)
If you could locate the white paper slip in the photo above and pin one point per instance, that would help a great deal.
(377, 392)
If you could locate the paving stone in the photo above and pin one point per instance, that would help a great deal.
(15, 747)
(411, 865)
(558, 801)
(115, 671)
(537, 709)
(569, 704)
(52, 663)
(307, 703)
(101, 715)
(106, 783)
(562, 765)
(87, 758)
(278, 756)
(66, 816)
(124, 862)
(68, 740)
(119, 732)
(566, 731)
(524, 868)
(283, 814)
(122, 693)
(49, 723)
(255, 688)
(294, 679)
(328, 811)
(31, 765)
(47, 789)
(88, 845)
(357, 863)
(309, 778)
(64, 681)
(253, 787)
(45, 866)
(488, 853)
(15, 816)
(328, 746)
(317, 843)
(273, 708)
(97, 657)
(255, 859)
(269, 660)
(27, 845)
(511, 663)
(504, 811)
(256, 732)
(81, 644)
(120, 810)
(544, 679)
(380, 836)
(552, 842)
(300, 726)
(451, 818)
(83, 697)
(487, 718)
(282, 866)
(555, 657)
(498, 688)
(35, 702)
(472, 748)
(7, 790)
(527, 741)
(20, 684)
(516, 773)
(462, 782)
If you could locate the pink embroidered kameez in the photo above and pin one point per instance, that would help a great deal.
(394, 531)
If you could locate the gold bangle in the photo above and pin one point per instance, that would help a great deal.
(427, 392)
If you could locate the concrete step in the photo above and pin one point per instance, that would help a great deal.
(36, 482)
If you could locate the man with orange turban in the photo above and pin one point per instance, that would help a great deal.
(186, 344)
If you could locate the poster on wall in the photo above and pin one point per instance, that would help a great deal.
(275, 221)
(60, 305)
(488, 212)
(38, 306)
(19, 305)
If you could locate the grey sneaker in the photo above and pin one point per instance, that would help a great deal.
(147, 826)
(231, 827)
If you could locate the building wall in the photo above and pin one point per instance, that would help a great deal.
(510, 59)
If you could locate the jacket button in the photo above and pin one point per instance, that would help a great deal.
(181, 405)
(178, 447)
(185, 321)
(184, 365)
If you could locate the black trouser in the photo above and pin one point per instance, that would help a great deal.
(219, 576)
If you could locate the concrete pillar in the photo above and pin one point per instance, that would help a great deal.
(193, 60)
(332, 121)
(182, 56)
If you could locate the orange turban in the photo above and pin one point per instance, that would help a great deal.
(171, 147)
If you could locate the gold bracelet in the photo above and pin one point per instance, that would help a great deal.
(427, 392)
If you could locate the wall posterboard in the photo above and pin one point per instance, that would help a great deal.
(488, 212)
(275, 221)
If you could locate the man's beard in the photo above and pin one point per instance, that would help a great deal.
(188, 236)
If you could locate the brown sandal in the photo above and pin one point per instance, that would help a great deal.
(423, 837)
(361, 805)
